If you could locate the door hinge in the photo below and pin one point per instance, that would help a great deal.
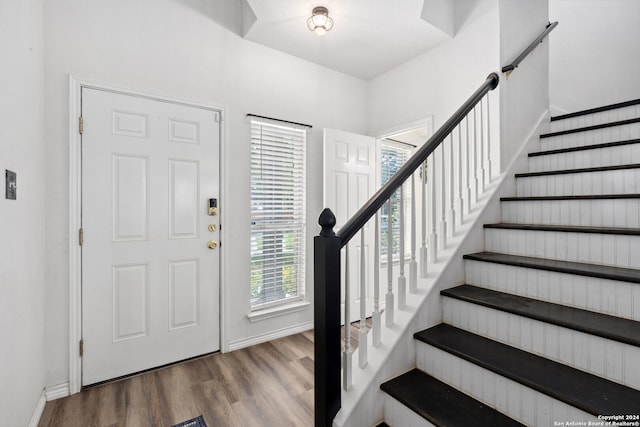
(81, 237)
(81, 348)
(81, 124)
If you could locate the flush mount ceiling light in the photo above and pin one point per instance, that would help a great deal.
(319, 22)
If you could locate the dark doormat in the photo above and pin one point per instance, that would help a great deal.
(195, 422)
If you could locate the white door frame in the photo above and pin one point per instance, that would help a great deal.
(75, 218)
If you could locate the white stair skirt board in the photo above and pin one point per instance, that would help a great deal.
(606, 249)
(613, 360)
(612, 297)
(597, 136)
(398, 415)
(620, 181)
(519, 402)
(596, 118)
(608, 156)
(623, 213)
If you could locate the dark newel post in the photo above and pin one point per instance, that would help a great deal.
(326, 321)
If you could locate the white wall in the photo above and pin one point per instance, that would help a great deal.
(21, 221)
(524, 95)
(174, 48)
(439, 81)
(594, 57)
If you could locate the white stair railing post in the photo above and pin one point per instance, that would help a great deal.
(402, 280)
(443, 204)
(346, 354)
(362, 336)
(475, 156)
(468, 174)
(389, 297)
(488, 140)
(482, 171)
(452, 211)
(433, 238)
(413, 265)
(460, 210)
(376, 325)
(423, 249)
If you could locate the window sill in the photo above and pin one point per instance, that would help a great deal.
(281, 310)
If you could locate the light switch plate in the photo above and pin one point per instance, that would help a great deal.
(10, 187)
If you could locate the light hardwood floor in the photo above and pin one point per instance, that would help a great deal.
(269, 384)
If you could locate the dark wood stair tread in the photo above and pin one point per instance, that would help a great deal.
(580, 197)
(440, 403)
(592, 394)
(579, 268)
(579, 170)
(585, 147)
(566, 228)
(589, 322)
(593, 127)
(596, 110)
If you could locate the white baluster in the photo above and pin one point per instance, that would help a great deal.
(389, 297)
(452, 211)
(460, 210)
(362, 336)
(402, 280)
(488, 140)
(433, 237)
(423, 249)
(482, 171)
(468, 177)
(376, 325)
(346, 354)
(413, 265)
(443, 204)
(475, 156)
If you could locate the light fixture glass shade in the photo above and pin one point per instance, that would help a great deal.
(320, 22)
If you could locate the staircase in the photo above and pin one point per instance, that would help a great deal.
(547, 327)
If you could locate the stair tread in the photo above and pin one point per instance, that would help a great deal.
(583, 269)
(585, 147)
(602, 325)
(440, 403)
(578, 170)
(593, 127)
(566, 228)
(596, 110)
(592, 394)
(580, 197)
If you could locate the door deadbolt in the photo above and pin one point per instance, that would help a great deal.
(212, 244)
(213, 207)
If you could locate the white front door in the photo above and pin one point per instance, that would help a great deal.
(150, 283)
(349, 181)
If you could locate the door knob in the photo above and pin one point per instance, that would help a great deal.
(212, 244)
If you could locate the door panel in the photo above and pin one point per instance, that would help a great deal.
(150, 284)
(349, 181)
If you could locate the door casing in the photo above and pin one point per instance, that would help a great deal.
(75, 214)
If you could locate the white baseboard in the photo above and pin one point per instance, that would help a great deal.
(57, 391)
(270, 336)
(37, 412)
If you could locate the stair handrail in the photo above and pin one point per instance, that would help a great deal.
(327, 269)
(364, 214)
(514, 64)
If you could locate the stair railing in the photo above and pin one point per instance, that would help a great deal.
(514, 64)
(467, 135)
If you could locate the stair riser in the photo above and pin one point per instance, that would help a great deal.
(612, 297)
(592, 213)
(596, 118)
(398, 415)
(605, 358)
(606, 249)
(621, 181)
(608, 156)
(521, 403)
(597, 136)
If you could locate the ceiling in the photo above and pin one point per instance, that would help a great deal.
(369, 37)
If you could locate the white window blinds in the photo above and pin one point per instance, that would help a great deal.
(278, 177)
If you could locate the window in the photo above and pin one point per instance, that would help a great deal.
(278, 170)
(392, 157)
